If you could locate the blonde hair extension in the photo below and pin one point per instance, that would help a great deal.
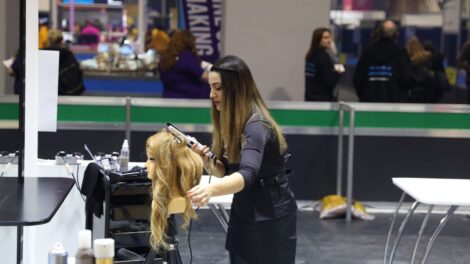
(174, 169)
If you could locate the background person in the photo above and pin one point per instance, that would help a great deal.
(464, 63)
(180, 68)
(383, 72)
(320, 74)
(90, 34)
(426, 89)
(70, 74)
(14, 71)
(157, 39)
(251, 151)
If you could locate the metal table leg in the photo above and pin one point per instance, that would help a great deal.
(19, 244)
(420, 233)
(434, 236)
(219, 217)
(349, 183)
(224, 212)
(400, 231)
(391, 226)
(339, 170)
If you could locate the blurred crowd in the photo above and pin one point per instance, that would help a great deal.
(385, 71)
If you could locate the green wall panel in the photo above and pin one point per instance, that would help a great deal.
(9, 111)
(413, 120)
(91, 113)
(314, 118)
(190, 115)
(285, 117)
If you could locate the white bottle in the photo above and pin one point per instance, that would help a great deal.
(124, 158)
(103, 250)
(84, 253)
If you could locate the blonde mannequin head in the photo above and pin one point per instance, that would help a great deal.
(174, 169)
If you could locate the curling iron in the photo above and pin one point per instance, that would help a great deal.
(190, 141)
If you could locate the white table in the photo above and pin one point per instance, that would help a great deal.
(430, 192)
(70, 217)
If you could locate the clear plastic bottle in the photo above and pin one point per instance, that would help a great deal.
(84, 254)
(124, 157)
(104, 250)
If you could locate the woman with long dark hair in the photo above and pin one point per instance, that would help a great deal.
(251, 152)
(320, 74)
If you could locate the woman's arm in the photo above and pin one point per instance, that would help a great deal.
(201, 194)
(256, 136)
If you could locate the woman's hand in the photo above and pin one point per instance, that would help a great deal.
(200, 194)
(202, 150)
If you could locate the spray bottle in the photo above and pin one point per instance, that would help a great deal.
(57, 255)
(84, 254)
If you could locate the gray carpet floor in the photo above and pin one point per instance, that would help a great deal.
(334, 241)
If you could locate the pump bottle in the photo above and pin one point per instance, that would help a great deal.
(124, 158)
(84, 254)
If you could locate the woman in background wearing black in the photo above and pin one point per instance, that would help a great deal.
(321, 76)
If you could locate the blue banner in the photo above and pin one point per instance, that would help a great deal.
(204, 18)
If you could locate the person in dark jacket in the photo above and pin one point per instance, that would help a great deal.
(437, 59)
(70, 74)
(251, 152)
(463, 62)
(426, 88)
(383, 72)
(320, 74)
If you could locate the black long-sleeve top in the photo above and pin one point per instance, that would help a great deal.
(262, 217)
(260, 162)
(320, 77)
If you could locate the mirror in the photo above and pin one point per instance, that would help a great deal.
(276, 82)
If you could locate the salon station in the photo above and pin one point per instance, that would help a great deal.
(253, 163)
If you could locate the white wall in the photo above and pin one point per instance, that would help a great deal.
(44, 5)
(272, 37)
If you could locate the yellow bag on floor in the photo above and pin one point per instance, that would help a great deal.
(334, 206)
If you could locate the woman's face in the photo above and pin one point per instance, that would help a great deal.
(216, 94)
(150, 165)
(326, 40)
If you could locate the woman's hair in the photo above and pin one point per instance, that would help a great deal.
(241, 99)
(54, 37)
(416, 51)
(464, 55)
(180, 40)
(427, 45)
(315, 45)
(174, 169)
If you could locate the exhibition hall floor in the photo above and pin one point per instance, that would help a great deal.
(335, 242)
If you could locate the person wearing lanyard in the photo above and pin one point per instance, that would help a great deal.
(251, 151)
